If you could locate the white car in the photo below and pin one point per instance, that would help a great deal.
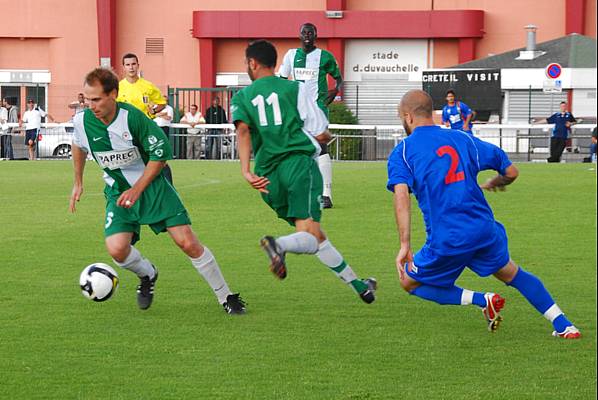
(55, 142)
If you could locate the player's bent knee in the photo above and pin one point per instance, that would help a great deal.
(311, 227)
(119, 252)
(189, 244)
(508, 272)
(407, 284)
(118, 246)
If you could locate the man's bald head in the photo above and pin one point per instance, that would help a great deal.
(416, 110)
(417, 103)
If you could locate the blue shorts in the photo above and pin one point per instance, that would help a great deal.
(30, 134)
(432, 269)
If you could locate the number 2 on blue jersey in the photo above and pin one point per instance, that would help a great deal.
(451, 176)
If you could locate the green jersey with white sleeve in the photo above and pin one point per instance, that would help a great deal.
(282, 119)
(311, 68)
(123, 147)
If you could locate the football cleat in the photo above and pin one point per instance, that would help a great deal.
(145, 290)
(494, 304)
(234, 304)
(276, 256)
(368, 295)
(571, 332)
(326, 202)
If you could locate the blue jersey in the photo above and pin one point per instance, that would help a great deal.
(560, 120)
(456, 115)
(441, 170)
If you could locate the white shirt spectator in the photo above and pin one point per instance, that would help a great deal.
(190, 118)
(33, 118)
(3, 119)
(161, 121)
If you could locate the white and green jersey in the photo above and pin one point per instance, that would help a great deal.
(312, 69)
(282, 120)
(123, 147)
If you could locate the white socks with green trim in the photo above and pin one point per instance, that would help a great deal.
(330, 257)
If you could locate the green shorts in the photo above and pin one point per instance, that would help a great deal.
(295, 189)
(159, 207)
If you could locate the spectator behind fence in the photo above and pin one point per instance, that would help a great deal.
(193, 118)
(562, 129)
(592, 157)
(3, 128)
(79, 104)
(33, 122)
(12, 117)
(164, 118)
(214, 115)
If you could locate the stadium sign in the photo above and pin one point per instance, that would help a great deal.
(478, 88)
(399, 58)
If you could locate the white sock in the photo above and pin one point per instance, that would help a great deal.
(137, 264)
(298, 243)
(207, 266)
(466, 297)
(325, 164)
(330, 257)
(553, 312)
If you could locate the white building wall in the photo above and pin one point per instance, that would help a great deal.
(584, 103)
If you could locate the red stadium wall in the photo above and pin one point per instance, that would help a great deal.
(47, 35)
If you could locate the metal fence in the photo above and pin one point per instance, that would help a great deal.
(523, 142)
(182, 98)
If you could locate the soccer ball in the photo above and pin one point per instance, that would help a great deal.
(98, 282)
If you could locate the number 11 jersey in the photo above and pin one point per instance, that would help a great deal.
(282, 119)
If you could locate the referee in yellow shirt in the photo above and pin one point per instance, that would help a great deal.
(141, 93)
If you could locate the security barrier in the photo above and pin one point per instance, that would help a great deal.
(523, 142)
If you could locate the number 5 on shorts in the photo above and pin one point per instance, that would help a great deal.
(109, 218)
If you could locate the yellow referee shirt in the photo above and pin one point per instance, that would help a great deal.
(140, 94)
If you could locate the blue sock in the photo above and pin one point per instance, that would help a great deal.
(534, 291)
(449, 295)
(479, 299)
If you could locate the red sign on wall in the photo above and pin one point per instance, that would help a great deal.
(554, 70)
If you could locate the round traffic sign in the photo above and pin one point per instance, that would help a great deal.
(554, 70)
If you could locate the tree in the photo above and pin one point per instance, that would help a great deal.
(350, 148)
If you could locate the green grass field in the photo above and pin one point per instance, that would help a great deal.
(308, 337)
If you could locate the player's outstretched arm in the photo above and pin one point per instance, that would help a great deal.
(244, 141)
(402, 204)
(79, 157)
(499, 182)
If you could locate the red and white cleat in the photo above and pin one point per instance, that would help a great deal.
(571, 332)
(494, 304)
